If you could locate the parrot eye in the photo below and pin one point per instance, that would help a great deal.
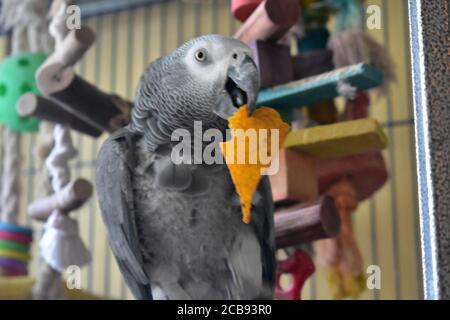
(200, 55)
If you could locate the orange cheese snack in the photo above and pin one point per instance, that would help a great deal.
(246, 169)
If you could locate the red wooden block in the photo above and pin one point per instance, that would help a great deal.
(274, 62)
(296, 179)
(242, 9)
(270, 21)
(367, 172)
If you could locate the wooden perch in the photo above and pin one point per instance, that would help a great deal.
(73, 196)
(86, 101)
(73, 47)
(31, 105)
(270, 21)
(319, 88)
(306, 222)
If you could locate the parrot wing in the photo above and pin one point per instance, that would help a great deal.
(115, 193)
(263, 223)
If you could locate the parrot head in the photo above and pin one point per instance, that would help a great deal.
(206, 79)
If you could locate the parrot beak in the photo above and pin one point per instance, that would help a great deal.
(246, 79)
(241, 87)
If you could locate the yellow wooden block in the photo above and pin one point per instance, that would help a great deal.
(339, 139)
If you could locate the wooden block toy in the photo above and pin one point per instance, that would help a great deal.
(242, 9)
(311, 63)
(357, 108)
(306, 222)
(339, 139)
(274, 62)
(324, 112)
(300, 266)
(52, 111)
(80, 96)
(367, 172)
(296, 178)
(270, 21)
(319, 88)
(71, 197)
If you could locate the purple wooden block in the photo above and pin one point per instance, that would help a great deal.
(311, 63)
(274, 62)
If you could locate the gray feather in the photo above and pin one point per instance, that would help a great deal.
(115, 196)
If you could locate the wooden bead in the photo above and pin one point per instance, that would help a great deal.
(270, 21)
(306, 222)
(51, 111)
(63, 85)
(71, 197)
(242, 9)
(73, 47)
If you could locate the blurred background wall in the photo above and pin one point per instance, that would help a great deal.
(386, 226)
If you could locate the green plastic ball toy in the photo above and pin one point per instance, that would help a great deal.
(17, 78)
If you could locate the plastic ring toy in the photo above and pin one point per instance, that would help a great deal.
(11, 245)
(15, 237)
(12, 263)
(15, 228)
(15, 255)
(12, 273)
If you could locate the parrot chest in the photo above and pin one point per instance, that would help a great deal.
(186, 241)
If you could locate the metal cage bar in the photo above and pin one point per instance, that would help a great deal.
(429, 29)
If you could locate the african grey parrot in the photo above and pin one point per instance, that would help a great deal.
(175, 229)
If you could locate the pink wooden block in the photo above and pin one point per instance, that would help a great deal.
(296, 179)
(367, 172)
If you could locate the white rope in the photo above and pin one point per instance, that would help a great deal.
(10, 193)
(11, 176)
(345, 89)
(60, 245)
(58, 160)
